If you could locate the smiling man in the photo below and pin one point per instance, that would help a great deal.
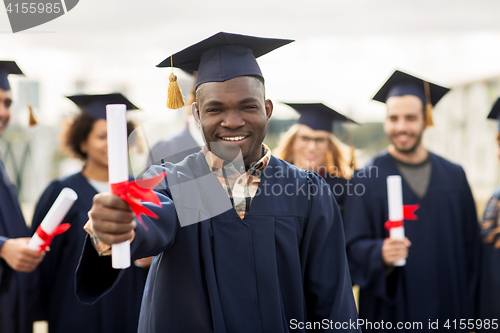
(244, 242)
(15, 256)
(439, 279)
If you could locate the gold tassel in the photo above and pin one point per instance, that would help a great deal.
(175, 99)
(428, 115)
(428, 105)
(32, 121)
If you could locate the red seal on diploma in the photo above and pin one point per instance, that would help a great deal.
(408, 214)
(48, 238)
(137, 191)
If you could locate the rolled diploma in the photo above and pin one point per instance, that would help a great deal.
(395, 201)
(54, 217)
(116, 120)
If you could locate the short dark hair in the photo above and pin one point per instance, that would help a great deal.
(258, 78)
(78, 131)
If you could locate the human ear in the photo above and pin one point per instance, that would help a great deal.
(84, 147)
(195, 111)
(269, 108)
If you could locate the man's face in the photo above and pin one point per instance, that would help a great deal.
(405, 123)
(5, 103)
(233, 115)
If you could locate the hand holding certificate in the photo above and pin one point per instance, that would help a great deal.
(397, 212)
(395, 202)
(131, 192)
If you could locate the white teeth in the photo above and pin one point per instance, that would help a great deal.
(233, 138)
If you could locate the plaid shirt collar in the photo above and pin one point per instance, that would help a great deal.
(216, 163)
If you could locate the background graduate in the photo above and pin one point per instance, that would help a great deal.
(85, 138)
(442, 247)
(231, 256)
(16, 259)
(489, 302)
(311, 145)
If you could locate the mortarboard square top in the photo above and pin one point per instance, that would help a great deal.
(495, 112)
(401, 84)
(318, 116)
(8, 67)
(224, 56)
(95, 105)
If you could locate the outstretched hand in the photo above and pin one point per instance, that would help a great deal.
(111, 219)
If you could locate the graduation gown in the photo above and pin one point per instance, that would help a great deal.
(14, 286)
(489, 286)
(116, 312)
(339, 187)
(284, 261)
(440, 277)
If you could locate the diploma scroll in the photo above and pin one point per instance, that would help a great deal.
(116, 120)
(396, 212)
(49, 226)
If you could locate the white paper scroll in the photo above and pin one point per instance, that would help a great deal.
(116, 120)
(54, 217)
(395, 201)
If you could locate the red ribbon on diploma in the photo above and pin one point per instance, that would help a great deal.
(48, 238)
(139, 190)
(408, 214)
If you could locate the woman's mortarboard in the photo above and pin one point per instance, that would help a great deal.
(318, 116)
(95, 105)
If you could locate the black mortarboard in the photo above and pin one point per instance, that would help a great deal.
(318, 116)
(401, 84)
(8, 67)
(495, 112)
(95, 105)
(224, 56)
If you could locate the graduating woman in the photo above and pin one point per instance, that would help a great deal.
(311, 145)
(489, 302)
(118, 311)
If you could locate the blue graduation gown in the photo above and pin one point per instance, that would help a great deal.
(339, 187)
(440, 277)
(284, 261)
(117, 311)
(489, 286)
(14, 286)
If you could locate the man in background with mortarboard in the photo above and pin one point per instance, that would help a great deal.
(16, 258)
(439, 280)
(253, 244)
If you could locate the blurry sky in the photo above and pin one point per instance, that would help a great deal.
(344, 50)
